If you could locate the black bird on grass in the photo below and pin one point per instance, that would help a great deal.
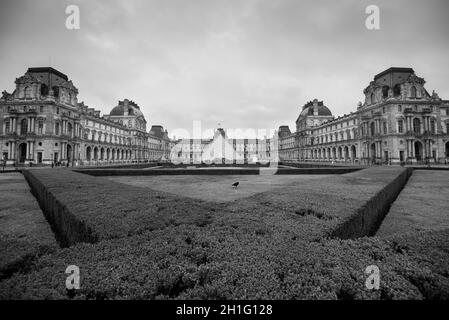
(235, 184)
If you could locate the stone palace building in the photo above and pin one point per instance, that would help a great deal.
(221, 149)
(399, 121)
(42, 122)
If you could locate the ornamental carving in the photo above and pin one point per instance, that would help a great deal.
(415, 79)
(27, 78)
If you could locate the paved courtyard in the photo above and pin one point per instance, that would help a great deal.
(216, 188)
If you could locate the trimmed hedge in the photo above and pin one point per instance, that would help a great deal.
(366, 220)
(344, 206)
(218, 171)
(82, 208)
(221, 262)
(272, 245)
(318, 165)
(24, 232)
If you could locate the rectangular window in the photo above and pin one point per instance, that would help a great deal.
(400, 126)
(384, 125)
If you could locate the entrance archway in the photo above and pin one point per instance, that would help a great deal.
(69, 153)
(22, 152)
(373, 151)
(88, 153)
(353, 153)
(418, 151)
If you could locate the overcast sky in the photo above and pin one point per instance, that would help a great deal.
(244, 64)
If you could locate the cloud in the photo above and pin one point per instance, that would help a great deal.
(242, 63)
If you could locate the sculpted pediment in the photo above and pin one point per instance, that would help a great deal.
(413, 78)
(27, 78)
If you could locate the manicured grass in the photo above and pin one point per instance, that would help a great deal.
(217, 188)
(422, 205)
(24, 232)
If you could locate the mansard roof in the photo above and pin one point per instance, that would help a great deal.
(48, 70)
(393, 69)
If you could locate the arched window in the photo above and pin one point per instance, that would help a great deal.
(40, 127)
(69, 129)
(413, 92)
(416, 125)
(385, 91)
(44, 90)
(27, 91)
(400, 126)
(397, 90)
(24, 126)
(55, 92)
(432, 126)
(373, 128)
(373, 98)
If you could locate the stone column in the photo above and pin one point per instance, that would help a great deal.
(31, 155)
(409, 154)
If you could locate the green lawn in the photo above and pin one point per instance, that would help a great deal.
(217, 188)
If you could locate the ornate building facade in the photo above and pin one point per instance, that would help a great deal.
(399, 121)
(221, 150)
(42, 122)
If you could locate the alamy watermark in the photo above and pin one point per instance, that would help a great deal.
(73, 280)
(372, 22)
(373, 280)
(72, 21)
